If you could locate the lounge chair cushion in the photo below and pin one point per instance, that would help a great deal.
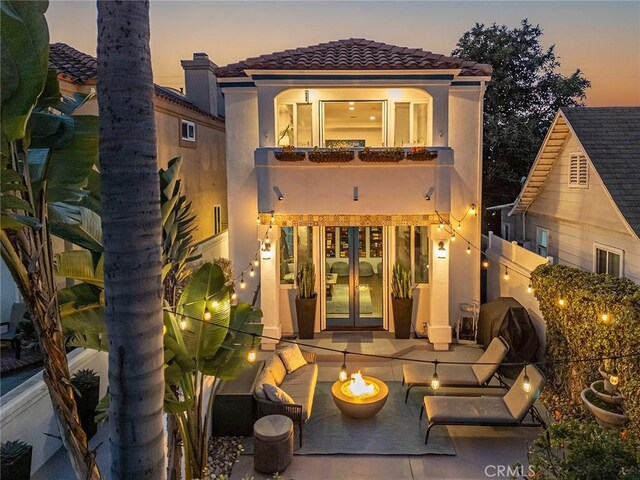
(300, 385)
(264, 379)
(292, 358)
(277, 368)
(495, 353)
(421, 373)
(467, 410)
(517, 400)
(277, 395)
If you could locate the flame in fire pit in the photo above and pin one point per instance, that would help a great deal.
(359, 388)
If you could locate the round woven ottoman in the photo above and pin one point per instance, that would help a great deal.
(273, 443)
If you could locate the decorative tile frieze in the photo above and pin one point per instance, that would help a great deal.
(348, 220)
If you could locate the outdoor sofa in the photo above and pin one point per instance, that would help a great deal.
(476, 375)
(508, 411)
(299, 385)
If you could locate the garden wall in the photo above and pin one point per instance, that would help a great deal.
(578, 330)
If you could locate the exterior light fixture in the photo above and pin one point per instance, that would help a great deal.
(207, 314)
(352, 103)
(251, 355)
(614, 379)
(441, 252)
(372, 117)
(562, 302)
(352, 108)
(529, 288)
(342, 376)
(435, 381)
(468, 248)
(258, 220)
(183, 324)
(485, 264)
(605, 317)
(256, 262)
(472, 209)
(214, 304)
(453, 236)
(459, 226)
(242, 282)
(234, 296)
(252, 272)
(427, 197)
(355, 194)
(506, 273)
(526, 383)
(273, 218)
(279, 194)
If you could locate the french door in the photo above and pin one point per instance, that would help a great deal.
(354, 277)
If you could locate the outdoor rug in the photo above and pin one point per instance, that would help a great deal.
(352, 337)
(339, 302)
(395, 430)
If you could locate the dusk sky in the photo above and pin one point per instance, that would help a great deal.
(600, 38)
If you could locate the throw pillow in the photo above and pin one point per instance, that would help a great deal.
(277, 369)
(292, 358)
(276, 394)
(265, 378)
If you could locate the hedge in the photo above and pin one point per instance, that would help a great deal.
(576, 330)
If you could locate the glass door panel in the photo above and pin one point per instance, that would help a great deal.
(339, 307)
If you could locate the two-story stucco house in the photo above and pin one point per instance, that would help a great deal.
(353, 218)
(580, 203)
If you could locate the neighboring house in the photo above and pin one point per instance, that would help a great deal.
(354, 220)
(580, 203)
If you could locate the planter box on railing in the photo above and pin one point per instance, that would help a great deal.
(289, 156)
(382, 155)
(421, 155)
(331, 156)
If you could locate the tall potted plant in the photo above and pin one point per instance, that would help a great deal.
(87, 386)
(306, 300)
(401, 301)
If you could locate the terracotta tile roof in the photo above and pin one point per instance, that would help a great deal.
(611, 138)
(354, 54)
(82, 69)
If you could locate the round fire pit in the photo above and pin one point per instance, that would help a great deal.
(362, 405)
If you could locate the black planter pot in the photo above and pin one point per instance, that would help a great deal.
(19, 469)
(402, 311)
(87, 398)
(306, 313)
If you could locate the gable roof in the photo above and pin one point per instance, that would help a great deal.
(82, 69)
(610, 137)
(353, 54)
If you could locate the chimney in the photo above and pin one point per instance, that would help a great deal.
(200, 83)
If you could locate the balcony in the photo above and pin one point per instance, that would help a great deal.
(354, 181)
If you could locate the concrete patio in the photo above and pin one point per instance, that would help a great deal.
(480, 451)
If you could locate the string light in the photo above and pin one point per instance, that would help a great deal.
(214, 304)
(252, 272)
(453, 237)
(258, 220)
(459, 226)
(526, 384)
(605, 317)
(234, 295)
(561, 302)
(506, 273)
(342, 376)
(468, 249)
(242, 283)
(472, 209)
(529, 288)
(164, 329)
(256, 262)
(485, 264)
(441, 226)
(207, 313)
(614, 379)
(273, 218)
(252, 355)
(435, 381)
(183, 324)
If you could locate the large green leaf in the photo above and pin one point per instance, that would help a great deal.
(24, 50)
(77, 225)
(80, 265)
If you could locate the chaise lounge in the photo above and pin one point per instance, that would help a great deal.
(477, 375)
(508, 411)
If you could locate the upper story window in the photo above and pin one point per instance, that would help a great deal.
(411, 120)
(608, 260)
(578, 171)
(353, 123)
(294, 125)
(188, 131)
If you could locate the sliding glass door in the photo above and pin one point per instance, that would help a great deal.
(354, 271)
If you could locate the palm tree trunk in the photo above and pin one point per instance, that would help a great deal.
(131, 223)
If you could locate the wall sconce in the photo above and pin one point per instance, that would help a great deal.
(279, 193)
(441, 252)
(355, 194)
(428, 193)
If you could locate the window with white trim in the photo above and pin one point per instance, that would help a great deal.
(608, 260)
(188, 130)
(578, 171)
(542, 242)
(217, 219)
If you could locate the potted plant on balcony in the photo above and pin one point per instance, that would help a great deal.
(401, 301)
(306, 300)
(331, 155)
(395, 154)
(288, 154)
(15, 460)
(421, 154)
(86, 384)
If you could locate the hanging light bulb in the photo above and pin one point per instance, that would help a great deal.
(256, 262)
(267, 241)
(435, 381)
(453, 236)
(468, 248)
(252, 272)
(485, 264)
(234, 295)
(258, 220)
(529, 288)
(214, 304)
(242, 283)
(252, 355)
(183, 324)
(207, 313)
(273, 218)
(270, 227)
(459, 226)
(526, 384)
(605, 317)
(614, 379)
(342, 376)
(561, 302)
(506, 273)
(441, 226)
(472, 209)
